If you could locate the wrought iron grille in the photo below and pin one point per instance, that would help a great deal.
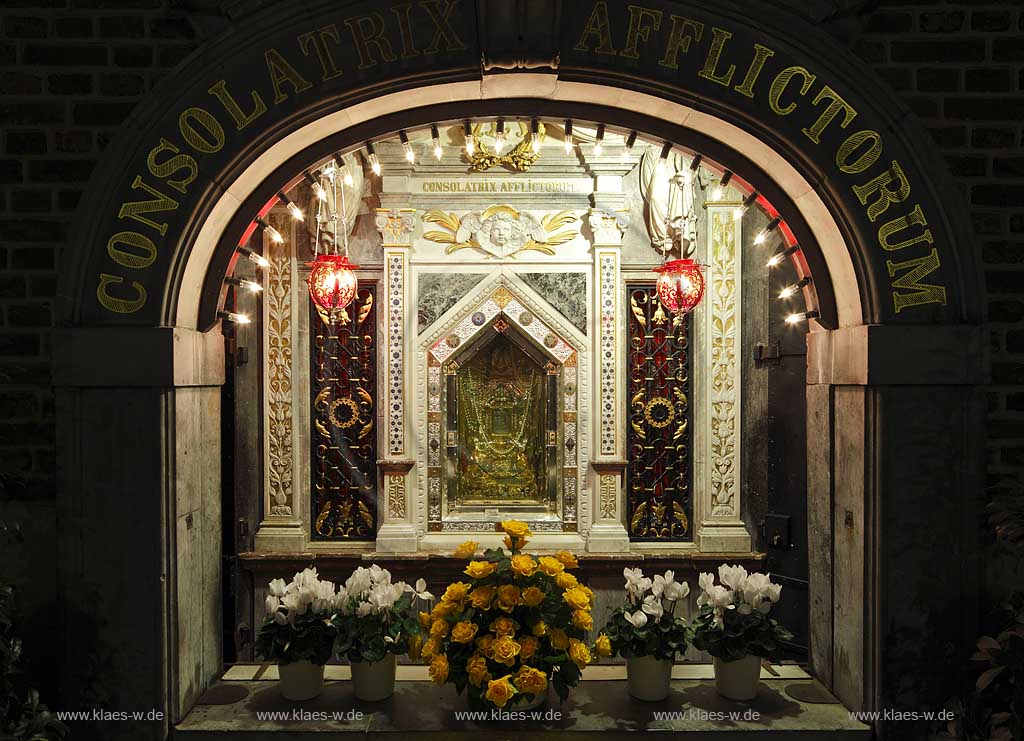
(344, 393)
(658, 475)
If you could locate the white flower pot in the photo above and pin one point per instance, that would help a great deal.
(301, 680)
(648, 678)
(374, 680)
(738, 679)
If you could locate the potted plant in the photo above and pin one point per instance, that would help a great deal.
(647, 633)
(516, 627)
(376, 621)
(298, 632)
(733, 626)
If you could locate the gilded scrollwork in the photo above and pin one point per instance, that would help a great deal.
(609, 495)
(501, 231)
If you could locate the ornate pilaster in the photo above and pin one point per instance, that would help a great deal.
(397, 531)
(720, 527)
(608, 533)
(282, 527)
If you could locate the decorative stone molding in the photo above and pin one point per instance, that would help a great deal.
(608, 226)
(396, 533)
(718, 508)
(282, 527)
(608, 534)
(395, 226)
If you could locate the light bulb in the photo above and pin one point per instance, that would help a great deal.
(410, 156)
(775, 259)
(233, 317)
(630, 141)
(295, 212)
(787, 291)
(467, 133)
(719, 192)
(346, 176)
(251, 286)
(256, 257)
(599, 141)
(568, 136)
(535, 145)
(435, 138)
(274, 234)
(319, 192)
(801, 317)
(535, 136)
(375, 164)
(470, 149)
(763, 234)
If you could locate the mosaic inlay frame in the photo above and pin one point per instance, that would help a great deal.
(511, 308)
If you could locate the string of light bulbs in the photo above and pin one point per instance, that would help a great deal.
(686, 178)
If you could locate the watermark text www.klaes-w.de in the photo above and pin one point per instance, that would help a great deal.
(496, 714)
(892, 714)
(109, 716)
(708, 716)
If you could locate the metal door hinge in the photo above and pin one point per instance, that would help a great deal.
(767, 353)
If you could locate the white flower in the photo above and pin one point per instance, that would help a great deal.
(638, 619)
(773, 591)
(706, 582)
(280, 618)
(379, 575)
(273, 602)
(652, 606)
(658, 585)
(278, 588)
(633, 577)
(364, 609)
(732, 576)
(676, 591)
(420, 590)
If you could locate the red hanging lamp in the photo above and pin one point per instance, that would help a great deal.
(680, 285)
(681, 282)
(332, 281)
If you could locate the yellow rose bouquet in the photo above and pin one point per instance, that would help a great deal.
(514, 627)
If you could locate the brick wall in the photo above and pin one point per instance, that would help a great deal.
(960, 67)
(70, 72)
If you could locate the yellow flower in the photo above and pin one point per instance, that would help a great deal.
(577, 598)
(517, 545)
(464, 631)
(565, 580)
(539, 628)
(579, 653)
(551, 566)
(443, 609)
(516, 529)
(480, 569)
(558, 638)
(425, 620)
(504, 650)
(508, 597)
(528, 646)
(438, 669)
(456, 592)
(589, 592)
(482, 596)
(466, 550)
(503, 626)
(603, 645)
(438, 628)
(533, 596)
(568, 560)
(530, 681)
(582, 619)
(500, 691)
(476, 667)
(523, 565)
(430, 648)
(484, 644)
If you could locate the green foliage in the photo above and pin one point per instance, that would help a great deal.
(309, 636)
(751, 634)
(22, 716)
(995, 707)
(372, 637)
(661, 638)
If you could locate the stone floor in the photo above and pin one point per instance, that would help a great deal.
(791, 705)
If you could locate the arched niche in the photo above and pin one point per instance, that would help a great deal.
(891, 397)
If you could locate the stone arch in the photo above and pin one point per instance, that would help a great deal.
(858, 169)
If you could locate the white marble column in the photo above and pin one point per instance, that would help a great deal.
(282, 528)
(397, 528)
(720, 527)
(607, 532)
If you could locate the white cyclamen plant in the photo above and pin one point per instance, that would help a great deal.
(377, 616)
(300, 619)
(647, 625)
(732, 620)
